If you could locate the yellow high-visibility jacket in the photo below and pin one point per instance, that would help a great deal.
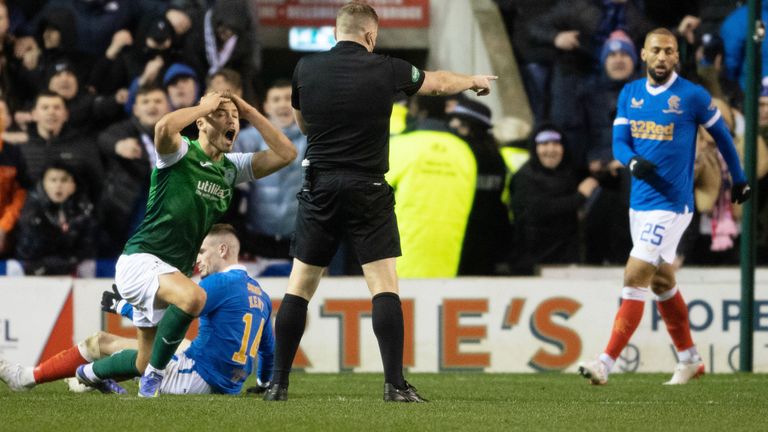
(397, 119)
(514, 158)
(433, 174)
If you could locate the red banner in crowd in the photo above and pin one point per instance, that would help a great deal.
(392, 13)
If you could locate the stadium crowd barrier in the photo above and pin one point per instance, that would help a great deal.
(545, 323)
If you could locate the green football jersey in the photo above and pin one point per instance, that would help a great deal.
(185, 200)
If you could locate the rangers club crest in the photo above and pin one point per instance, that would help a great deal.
(674, 105)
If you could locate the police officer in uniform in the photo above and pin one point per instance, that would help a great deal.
(342, 100)
(489, 232)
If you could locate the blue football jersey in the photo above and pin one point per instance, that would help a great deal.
(235, 327)
(659, 124)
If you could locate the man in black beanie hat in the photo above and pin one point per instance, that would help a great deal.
(488, 229)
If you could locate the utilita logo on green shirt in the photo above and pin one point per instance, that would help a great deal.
(212, 191)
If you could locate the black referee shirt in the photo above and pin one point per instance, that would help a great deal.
(345, 96)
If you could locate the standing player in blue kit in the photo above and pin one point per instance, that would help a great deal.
(654, 134)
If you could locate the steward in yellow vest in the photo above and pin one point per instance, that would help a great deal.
(433, 173)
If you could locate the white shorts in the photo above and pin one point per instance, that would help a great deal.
(656, 234)
(136, 280)
(180, 378)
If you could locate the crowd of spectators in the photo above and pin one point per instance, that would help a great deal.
(82, 85)
(575, 57)
(83, 82)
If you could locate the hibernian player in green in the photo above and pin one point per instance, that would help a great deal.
(191, 187)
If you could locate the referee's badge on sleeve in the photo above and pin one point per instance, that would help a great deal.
(415, 74)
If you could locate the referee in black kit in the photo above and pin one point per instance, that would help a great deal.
(342, 100)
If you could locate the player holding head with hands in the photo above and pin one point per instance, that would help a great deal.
(654, 135)
(191, 187)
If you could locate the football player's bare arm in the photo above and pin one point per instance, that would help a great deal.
(281, 150)
(168, 129)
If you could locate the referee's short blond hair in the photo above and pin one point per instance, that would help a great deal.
(353, 18)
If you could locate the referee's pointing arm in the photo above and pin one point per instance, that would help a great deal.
(440, 83)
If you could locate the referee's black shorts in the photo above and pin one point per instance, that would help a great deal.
(338, 203)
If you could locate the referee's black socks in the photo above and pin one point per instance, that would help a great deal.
(387, 317)
(289, 328)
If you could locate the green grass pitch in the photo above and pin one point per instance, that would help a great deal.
(459, 401)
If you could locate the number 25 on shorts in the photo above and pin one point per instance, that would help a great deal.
(652, 234)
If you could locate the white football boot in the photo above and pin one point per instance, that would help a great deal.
(595, 371)
(11, 375)
(685, 372)
(76, 386)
